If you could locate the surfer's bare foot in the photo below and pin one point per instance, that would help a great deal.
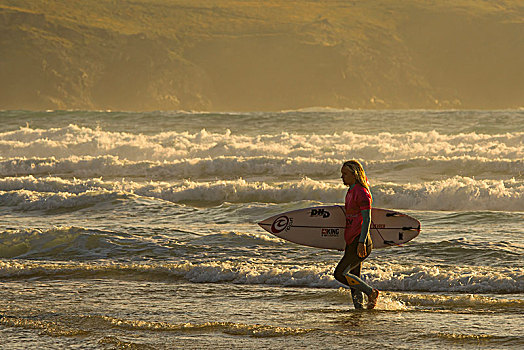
(372, 299)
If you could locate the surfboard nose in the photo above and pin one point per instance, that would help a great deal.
(266, 224)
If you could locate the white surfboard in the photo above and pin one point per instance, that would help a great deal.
(323, 227)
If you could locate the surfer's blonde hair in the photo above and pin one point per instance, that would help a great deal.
(356, 168)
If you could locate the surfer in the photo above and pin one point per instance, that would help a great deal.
(356, 234)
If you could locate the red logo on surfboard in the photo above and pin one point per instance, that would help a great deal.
(280, 224)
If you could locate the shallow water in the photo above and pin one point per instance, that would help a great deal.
(139, 230)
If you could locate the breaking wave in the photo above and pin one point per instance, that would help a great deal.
(79, 141)
(456, 193)
(384, 276)
(109, 166)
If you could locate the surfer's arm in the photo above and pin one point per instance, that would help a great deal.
(366, 220)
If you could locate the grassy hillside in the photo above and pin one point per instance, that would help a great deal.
(260, 55)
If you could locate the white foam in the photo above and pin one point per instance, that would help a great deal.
(455, 300)
(73, 140)
(432, 278)
(384, 276)
(457, 193)
(229, 166)
(387, 301)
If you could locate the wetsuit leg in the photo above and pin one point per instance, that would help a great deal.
(349, 261)
(356, 295)
(347, 271)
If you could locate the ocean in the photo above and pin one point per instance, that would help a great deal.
(139, 230)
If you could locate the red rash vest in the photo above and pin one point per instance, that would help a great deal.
(358, 198)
